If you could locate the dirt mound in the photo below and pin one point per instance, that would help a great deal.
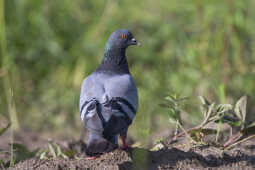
(138, 158)
(169, 157)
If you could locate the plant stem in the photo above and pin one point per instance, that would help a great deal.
(185, 132)
(243, 140)
(218, 130)
(8, 90)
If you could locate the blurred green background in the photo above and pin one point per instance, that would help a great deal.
(198, 47)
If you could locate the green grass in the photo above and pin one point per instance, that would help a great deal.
(6, 65)
(191, 47)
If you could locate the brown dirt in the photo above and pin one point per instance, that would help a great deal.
(139, 158)
(168, 158)
(206, 157)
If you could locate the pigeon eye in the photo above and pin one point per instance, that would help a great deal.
(123, 36)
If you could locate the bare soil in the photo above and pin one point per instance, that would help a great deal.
(206, 157)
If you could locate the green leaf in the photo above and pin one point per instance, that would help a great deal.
(58, 150)
(157, 147)
(221, 108)
(4, 129)
(173, 114)
(171, 120)
(70, 153)
(204, 101)
(175, 98)
(240, 108)
(52, 150)
(236, 124)
(171, 99)
(43, 155)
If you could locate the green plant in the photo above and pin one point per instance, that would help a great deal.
(21, 152)
(55, 151)
(174, 104)
(216, 116)
(50, 52)
(2, 130)
(5, 66)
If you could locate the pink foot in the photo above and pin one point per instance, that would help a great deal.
(124, 144)
(92, 157)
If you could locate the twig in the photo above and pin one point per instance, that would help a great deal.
(183, 132)
(232, 139)
(245, 139)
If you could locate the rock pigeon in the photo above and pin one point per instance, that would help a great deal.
(109, 99)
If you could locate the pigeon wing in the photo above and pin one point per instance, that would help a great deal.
(92, 91)
(123, 93)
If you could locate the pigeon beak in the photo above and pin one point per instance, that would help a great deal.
(134, 42)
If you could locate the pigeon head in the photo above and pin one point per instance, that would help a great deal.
(121, 39)
(115, 52)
